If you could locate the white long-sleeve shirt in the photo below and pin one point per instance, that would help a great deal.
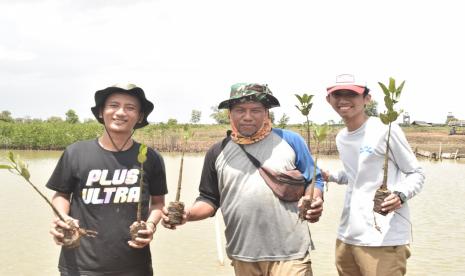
(362, 154)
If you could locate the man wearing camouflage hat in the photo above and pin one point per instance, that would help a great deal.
(263, 232)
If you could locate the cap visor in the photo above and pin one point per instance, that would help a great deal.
(355, 88)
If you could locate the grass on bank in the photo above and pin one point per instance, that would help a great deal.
(169, 137)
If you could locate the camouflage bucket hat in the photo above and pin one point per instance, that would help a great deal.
(130, 89)
(246, 92)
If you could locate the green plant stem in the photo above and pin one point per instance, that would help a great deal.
(311, 188)
(55, 210)
(312, 185)
(386, 158)
(308, 133)
(139, 204)
(178, 191)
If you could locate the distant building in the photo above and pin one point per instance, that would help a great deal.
(421, 123)
(456, 123)
(450, 117)
(406, 119)
(457, 127)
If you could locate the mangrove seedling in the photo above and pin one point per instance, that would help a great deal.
(139, 224)
(391, 97)
(73, 235)
(305, 106)
(319, 134)
(176, 208)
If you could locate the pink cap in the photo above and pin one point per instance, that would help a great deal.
(346, 82)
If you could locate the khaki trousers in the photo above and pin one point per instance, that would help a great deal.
(353, 260)
(299, 267)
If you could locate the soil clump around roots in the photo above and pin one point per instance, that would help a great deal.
(175, 212)
(379, 197)
(73, 236)
(134, 230)
(306, 205)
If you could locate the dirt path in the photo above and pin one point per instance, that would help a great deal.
(432, 141)
(425, 139)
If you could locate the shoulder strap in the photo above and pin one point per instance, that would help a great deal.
(251, 157)
(226, 139)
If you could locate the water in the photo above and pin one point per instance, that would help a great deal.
(27, 249)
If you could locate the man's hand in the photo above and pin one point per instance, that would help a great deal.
(165, 221)
(391, 203)
(316, 209)
(58, 223)
(325, 175)
(144, 236)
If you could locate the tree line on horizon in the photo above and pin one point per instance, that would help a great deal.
(56, 133)
(219, 116)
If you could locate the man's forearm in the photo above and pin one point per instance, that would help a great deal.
(156, 205)
(61, 202)
(318, 193)
(200, 210)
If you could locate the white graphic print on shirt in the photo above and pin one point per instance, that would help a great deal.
(114, 190)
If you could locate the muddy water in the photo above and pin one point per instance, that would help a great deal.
(438, 247)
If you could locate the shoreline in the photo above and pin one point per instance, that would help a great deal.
(55, 137)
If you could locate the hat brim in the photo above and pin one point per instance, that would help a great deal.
(355, 88)
(101, 96)
(269, 101)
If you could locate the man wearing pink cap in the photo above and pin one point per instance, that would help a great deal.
(362, 249)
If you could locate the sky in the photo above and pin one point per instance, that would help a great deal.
(54, 54)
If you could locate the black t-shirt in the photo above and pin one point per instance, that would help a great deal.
(104, 188)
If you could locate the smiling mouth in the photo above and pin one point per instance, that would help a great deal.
(119, 122)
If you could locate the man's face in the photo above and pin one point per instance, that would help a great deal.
(121, 112)
(248, 117)
(348, 104)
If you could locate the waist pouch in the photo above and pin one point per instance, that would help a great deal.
(287, 186)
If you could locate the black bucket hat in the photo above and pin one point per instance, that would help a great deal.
(130, 89)
(243, 92)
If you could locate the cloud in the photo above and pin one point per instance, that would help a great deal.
(15, 55)
(186, 54)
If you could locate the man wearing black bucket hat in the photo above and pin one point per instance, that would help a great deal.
(263, 232)
(96, 184)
